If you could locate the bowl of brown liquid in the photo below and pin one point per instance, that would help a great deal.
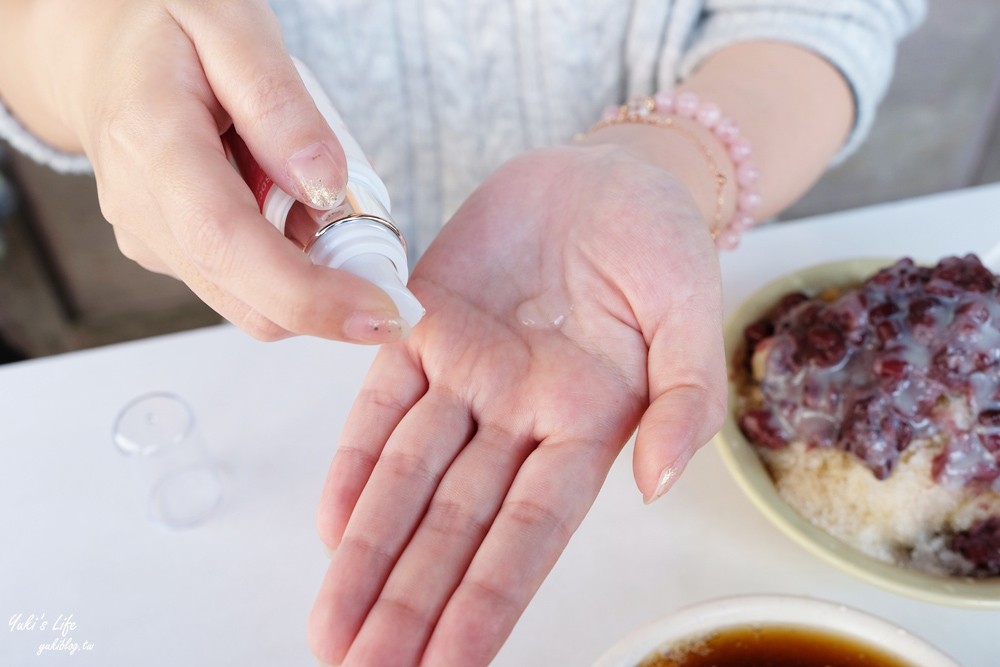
(773, 630)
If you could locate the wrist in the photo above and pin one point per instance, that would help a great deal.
(689, 129)
(682, 158)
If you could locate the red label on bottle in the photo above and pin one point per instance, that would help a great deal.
(238, 153)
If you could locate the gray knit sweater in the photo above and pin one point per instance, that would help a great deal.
(440, 92)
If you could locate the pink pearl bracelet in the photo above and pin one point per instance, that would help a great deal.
(660, 111)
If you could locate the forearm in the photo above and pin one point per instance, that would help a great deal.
(793, 106)
(35, 35)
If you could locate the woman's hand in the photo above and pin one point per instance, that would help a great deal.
(476, 447)
(145, 89)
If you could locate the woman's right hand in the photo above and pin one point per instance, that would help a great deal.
(145, 89)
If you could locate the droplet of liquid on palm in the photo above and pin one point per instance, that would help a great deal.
(548, 310)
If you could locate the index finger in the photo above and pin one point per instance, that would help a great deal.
(394, 383)
(252, 75)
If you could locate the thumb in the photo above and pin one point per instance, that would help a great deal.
(256, 82)
(687, 388)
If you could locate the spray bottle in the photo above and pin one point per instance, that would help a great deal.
(359, 236)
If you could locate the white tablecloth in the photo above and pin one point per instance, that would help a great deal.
(237, 590)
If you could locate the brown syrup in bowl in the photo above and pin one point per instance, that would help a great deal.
(774, 646)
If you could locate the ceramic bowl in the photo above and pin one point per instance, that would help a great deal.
(751, 475)
(829, 618)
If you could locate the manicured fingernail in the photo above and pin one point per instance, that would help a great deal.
(667, 479)
(375, 328)
(669, 475)
(319, 179)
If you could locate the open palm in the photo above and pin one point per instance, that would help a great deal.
(573, 297)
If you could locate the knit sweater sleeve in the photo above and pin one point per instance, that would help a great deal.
(859, 37)
(24, 141)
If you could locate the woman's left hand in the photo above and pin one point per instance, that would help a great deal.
(477, 446)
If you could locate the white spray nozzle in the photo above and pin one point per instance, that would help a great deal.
(369, 250)
(379, 270)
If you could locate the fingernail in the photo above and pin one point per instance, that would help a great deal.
(375, 328)
(328, 551)
(669, 475)
(320, 180)
(667, 478)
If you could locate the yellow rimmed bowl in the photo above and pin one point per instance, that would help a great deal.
(752, 476)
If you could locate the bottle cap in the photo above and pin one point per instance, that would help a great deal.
(369, 248)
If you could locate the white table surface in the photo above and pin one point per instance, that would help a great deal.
(237, 590)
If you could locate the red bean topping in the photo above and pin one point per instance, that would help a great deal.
(899, 358)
